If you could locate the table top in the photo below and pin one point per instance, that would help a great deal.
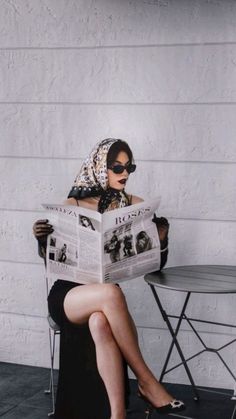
(212, 279)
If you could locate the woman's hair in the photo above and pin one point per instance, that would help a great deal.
(84, 218)
(115, 149)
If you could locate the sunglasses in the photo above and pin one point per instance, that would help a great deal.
(120, 168)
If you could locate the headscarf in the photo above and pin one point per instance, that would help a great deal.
(92, 180)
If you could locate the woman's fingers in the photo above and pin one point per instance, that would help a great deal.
(42, 228)
(40, 222)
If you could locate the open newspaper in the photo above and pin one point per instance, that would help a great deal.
(89, 247)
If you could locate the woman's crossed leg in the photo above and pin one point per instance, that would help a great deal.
(104, 307)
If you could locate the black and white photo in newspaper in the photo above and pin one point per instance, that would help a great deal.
(131, 242)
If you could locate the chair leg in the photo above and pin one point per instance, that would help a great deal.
(234, 413)
(50, 390)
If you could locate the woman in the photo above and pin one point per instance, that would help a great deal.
(100, 186)
(128, 245)
(86, 222)
(62, 254)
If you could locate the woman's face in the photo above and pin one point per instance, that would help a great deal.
(118, 181)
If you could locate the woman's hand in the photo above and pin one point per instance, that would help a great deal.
(162, 228)
(41, 229)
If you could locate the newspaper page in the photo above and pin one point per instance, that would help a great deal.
(131, 245)
(89, 247)
(74, 249)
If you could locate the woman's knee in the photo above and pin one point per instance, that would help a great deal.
(113, 295)
(99, 325)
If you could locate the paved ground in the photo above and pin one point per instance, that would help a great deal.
(22, 397)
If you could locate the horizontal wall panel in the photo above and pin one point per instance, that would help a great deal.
(202, 242)
(191, 241)
(174, 74)
(207, 370)
(17, 242)
(186, 132)
(30, 336)
(188, 190)
(88, 23)
(210, 307)
(34, 182)
(23, 289)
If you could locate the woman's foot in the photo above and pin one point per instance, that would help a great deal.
(156, 397)
(164, 404)
(155, 393)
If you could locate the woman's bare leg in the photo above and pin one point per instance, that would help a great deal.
(81, 302)
(110, 363)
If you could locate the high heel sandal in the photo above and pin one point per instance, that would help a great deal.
(175, 406)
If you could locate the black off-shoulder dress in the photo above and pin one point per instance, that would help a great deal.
(81, 393)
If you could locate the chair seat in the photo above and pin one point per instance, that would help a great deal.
(53, 324)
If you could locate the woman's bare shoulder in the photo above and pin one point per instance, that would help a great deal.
(70, 201)
(136, 199)
(89, 203)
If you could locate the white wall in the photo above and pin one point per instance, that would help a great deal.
(158, 73)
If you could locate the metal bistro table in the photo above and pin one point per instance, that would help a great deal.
(201, 279)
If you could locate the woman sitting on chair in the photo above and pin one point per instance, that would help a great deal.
(100, 186)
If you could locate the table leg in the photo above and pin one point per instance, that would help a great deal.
(174, 339)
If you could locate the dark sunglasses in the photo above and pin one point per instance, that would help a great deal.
(119, 168)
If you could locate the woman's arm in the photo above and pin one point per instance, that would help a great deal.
(70, 201)
(162, 225)
(136, 200)
(162, 228)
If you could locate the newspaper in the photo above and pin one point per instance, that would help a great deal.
(88, 247)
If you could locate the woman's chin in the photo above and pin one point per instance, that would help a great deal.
(121, 187)
(118, 187)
